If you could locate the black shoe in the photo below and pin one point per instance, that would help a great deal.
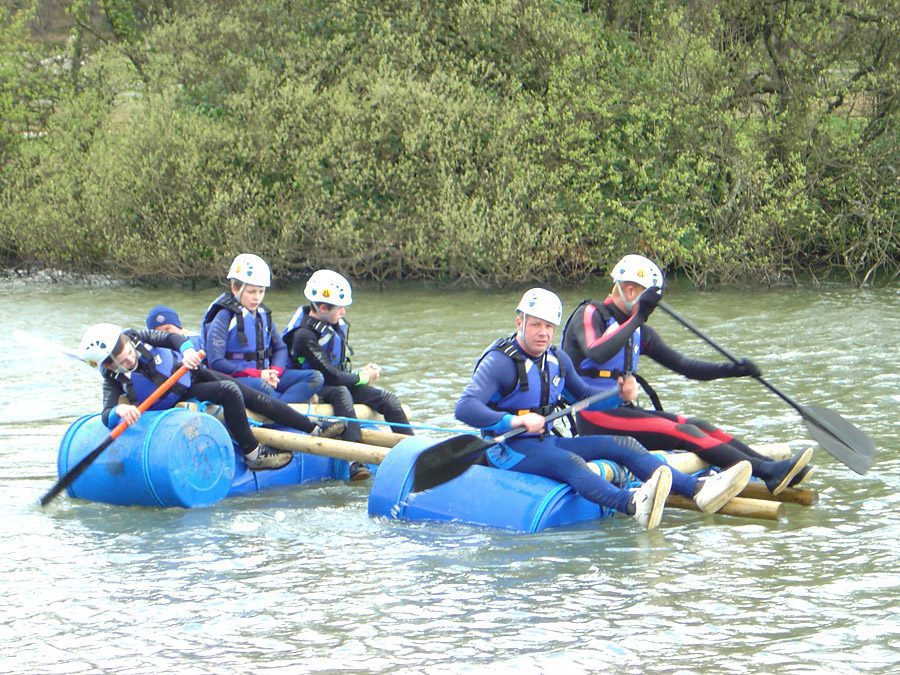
(802, 475)
(264, 458)
(795, 465)
(328, 429)
(359, 471)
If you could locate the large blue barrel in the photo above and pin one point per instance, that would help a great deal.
(170, 458)
(481, 496)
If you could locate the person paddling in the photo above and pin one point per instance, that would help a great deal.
(134, 362)
(520, 379)
(606, 339)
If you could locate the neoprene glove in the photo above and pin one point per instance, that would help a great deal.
(647, 301)
(746, 368)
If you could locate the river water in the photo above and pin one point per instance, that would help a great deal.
(302, 580)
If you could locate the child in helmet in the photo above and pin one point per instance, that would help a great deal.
(519, 380)
(317, 339)
(241, 339)
(133, 363)
(605, 341)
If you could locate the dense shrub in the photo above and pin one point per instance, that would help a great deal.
(484, 142)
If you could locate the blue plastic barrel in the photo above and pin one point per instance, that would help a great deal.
(169, 458)
(303, 468)
(481, 496)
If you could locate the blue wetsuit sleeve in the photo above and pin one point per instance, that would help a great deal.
(578, 389)
(216, 341)
(496, 373)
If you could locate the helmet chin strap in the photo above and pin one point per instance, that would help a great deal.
(628, 304)
(240, 291)
(121, 368)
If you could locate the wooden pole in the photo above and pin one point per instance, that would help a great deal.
(327, 447)
(384, 439)
(804, 496)
(738, 506)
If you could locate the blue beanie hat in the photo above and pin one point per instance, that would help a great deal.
(161, 315)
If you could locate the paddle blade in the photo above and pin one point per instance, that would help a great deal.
(839, 438)
(446, 460)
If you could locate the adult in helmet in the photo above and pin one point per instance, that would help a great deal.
(133, 363)
(317, 337)
(520, 379)
(606, 340)
(241, 339)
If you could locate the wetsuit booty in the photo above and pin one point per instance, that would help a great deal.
(778, 482)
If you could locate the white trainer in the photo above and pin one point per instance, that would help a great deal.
(650, 499)
(719, 488)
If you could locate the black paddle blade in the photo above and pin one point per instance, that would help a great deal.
(76, 471)
(839, 438)
(446, 460)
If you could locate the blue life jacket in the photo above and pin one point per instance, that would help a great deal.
(334, 339)
(539, 383)
(606, 374)
(155, 365)
(249, 333)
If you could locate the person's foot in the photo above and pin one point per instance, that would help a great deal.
(717, 489)
(359, 471)
(782, 479)
(650, 499)
(264, 458)
(328, 429)
(801, 476)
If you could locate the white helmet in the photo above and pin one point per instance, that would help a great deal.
(639, 270)
(541, 304)
(98, 343)
(328, 287)
(250, 269)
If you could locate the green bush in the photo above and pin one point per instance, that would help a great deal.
(481, 142)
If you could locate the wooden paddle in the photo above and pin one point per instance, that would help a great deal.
(835, 434)
(89, 459)
(448, 459)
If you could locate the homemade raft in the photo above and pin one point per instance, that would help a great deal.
(184, 458)
(492, 497)
(180, 457)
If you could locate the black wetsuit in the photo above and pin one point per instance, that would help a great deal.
(342, 387)
(586, 337)
(234, 397)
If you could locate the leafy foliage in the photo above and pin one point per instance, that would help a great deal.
(480, 142)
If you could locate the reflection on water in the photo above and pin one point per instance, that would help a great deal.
(302, 580)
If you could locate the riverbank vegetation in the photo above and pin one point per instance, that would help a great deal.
(496, 142)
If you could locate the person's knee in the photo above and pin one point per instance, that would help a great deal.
(703, 425)
(690, 430)
(632, 445)
(391, 403)
(340, 397)
(313, 379)
(231, 392)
